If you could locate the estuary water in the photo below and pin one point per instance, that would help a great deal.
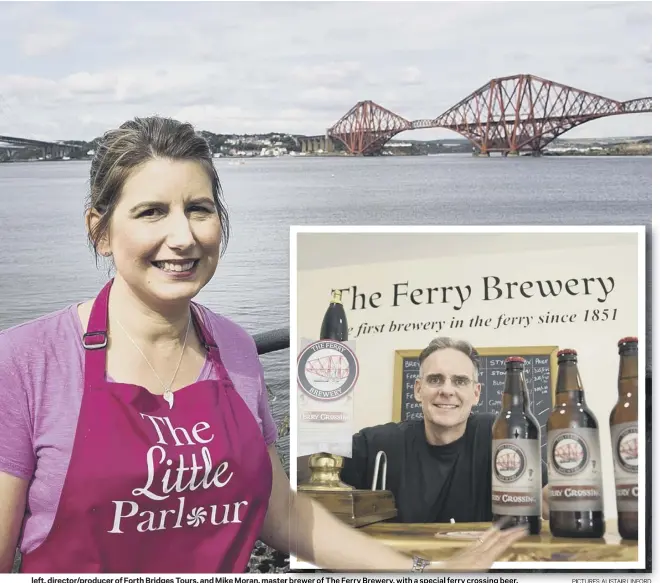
(46, 263)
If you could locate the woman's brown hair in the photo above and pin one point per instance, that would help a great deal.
(131, 145)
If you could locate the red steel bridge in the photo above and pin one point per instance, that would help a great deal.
(521, 113)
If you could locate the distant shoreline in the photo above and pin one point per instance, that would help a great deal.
(247, 147)
(335, 155)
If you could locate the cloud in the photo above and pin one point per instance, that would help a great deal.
(36, 29)
(411, 76)
(89, 83)
(46, 41)
(330, 73)
(75, 69)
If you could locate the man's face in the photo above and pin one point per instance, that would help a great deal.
(447, 388)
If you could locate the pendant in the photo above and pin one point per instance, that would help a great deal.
(169, 397)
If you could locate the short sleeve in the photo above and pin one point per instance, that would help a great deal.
(241, 359)
(268, 425)
(268, 422)
(16, 448)
(355, 467)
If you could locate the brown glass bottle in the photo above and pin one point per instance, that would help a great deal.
(335, 324)
(575, 481)
(516, 454)
(623, 429)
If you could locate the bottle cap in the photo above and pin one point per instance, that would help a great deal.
(567, 354)
(336, 296)
(514, 359)
(628, 340)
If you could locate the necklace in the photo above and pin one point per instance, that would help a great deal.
(168, 395)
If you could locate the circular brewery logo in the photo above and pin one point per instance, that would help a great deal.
(327, 370)
(627, 449)
(509, 462)
(570, 454)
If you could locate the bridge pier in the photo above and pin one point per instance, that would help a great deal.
(311, 145)
(502, 153)
(8, 154)
(54, 152)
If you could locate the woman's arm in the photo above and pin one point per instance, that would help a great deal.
(13, 492)
(297, 524)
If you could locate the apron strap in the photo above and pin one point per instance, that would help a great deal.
(95, 340)
(198, 321)
(210, 345)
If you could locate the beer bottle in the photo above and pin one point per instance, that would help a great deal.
(623, 429)
(574, 466)
(516, 454)
(326, 467)
(335, 324)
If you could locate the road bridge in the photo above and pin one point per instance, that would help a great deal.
(50, 150)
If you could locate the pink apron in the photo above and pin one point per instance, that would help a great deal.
(151, 489)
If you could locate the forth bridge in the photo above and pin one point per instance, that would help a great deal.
(509, 115)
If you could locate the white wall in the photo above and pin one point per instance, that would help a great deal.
(464, 260)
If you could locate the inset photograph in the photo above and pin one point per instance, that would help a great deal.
(450, 379)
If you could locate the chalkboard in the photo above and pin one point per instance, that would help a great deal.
(540, 374)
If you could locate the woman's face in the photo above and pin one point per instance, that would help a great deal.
(165, 233)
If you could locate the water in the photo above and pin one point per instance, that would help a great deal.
(46, 263)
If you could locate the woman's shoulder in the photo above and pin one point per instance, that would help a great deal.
(40, 333)
(38, 349)
(225, 331)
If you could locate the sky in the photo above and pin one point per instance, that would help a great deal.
(72, 70)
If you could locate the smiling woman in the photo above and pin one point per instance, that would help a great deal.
(138, 421)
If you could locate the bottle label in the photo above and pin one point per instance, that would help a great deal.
(575, 480)
(624, 453)
(516, 471)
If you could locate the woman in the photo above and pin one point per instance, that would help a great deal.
(139, 434)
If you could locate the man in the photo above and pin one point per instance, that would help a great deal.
(438, 468)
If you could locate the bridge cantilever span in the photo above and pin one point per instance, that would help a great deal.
(367, 127)
(508, 114)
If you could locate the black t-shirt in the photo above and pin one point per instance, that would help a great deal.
(429, 483)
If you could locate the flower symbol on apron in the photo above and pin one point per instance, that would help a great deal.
(196, 517)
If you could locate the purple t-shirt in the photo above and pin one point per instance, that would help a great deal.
(41, 386)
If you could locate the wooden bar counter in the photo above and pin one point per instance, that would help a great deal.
(440, 541)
